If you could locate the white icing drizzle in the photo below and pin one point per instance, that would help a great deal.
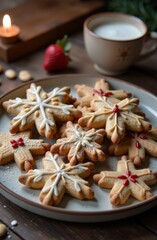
(41, 105)
(80, 138)
(83, 137)
(38, 174)
(16, 102)
(58, 173)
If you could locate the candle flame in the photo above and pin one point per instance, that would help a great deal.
(6, 21)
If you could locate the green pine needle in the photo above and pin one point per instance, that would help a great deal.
(144, 9)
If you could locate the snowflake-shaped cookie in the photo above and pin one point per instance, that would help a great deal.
(42, 109)
(101, 88)
(57, 178)
(136, 144)
(126, 182)
(115, 117)
(21, 148)
(80, 143)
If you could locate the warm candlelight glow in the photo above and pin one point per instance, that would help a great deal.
(9, 33)
(6, 21)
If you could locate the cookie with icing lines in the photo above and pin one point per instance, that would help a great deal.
(57, 178)
(42, 110)
(61, 129)
(79, 144)
(101, 88)
(115, 117)
(21, 148)
(126, 182)
(137, 145)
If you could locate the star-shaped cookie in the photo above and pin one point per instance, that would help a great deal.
(21, 148)
(41, 109)
(101, 88)
(115, 116)
(126, 182)
(57, 178)
(80, 143)
(136, 145)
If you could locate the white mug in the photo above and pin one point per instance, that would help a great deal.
(114, 41)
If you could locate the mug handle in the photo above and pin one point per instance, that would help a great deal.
(150, 46)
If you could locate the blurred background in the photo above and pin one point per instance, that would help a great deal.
(144, 9)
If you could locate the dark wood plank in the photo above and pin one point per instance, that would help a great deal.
(44, 21)
(149, 220)
(34, 65)
(32, 226)
(10, 229)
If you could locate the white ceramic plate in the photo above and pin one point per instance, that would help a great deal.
(72, 209)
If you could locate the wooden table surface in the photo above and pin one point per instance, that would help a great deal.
(33, 227)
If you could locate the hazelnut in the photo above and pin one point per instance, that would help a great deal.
(25, 76)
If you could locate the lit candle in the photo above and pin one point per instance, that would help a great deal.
(9, 33)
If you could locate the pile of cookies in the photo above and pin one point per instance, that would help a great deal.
(88, 129)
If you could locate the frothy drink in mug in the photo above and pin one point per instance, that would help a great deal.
(114, 41)
(117, 31)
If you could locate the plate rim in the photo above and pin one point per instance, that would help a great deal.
(78, 75)
(72, 212)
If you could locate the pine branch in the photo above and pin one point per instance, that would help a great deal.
(144, 9)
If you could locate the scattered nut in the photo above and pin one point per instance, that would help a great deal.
(3, 230)
(10, 73)
(25, 76)
(1, 69)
